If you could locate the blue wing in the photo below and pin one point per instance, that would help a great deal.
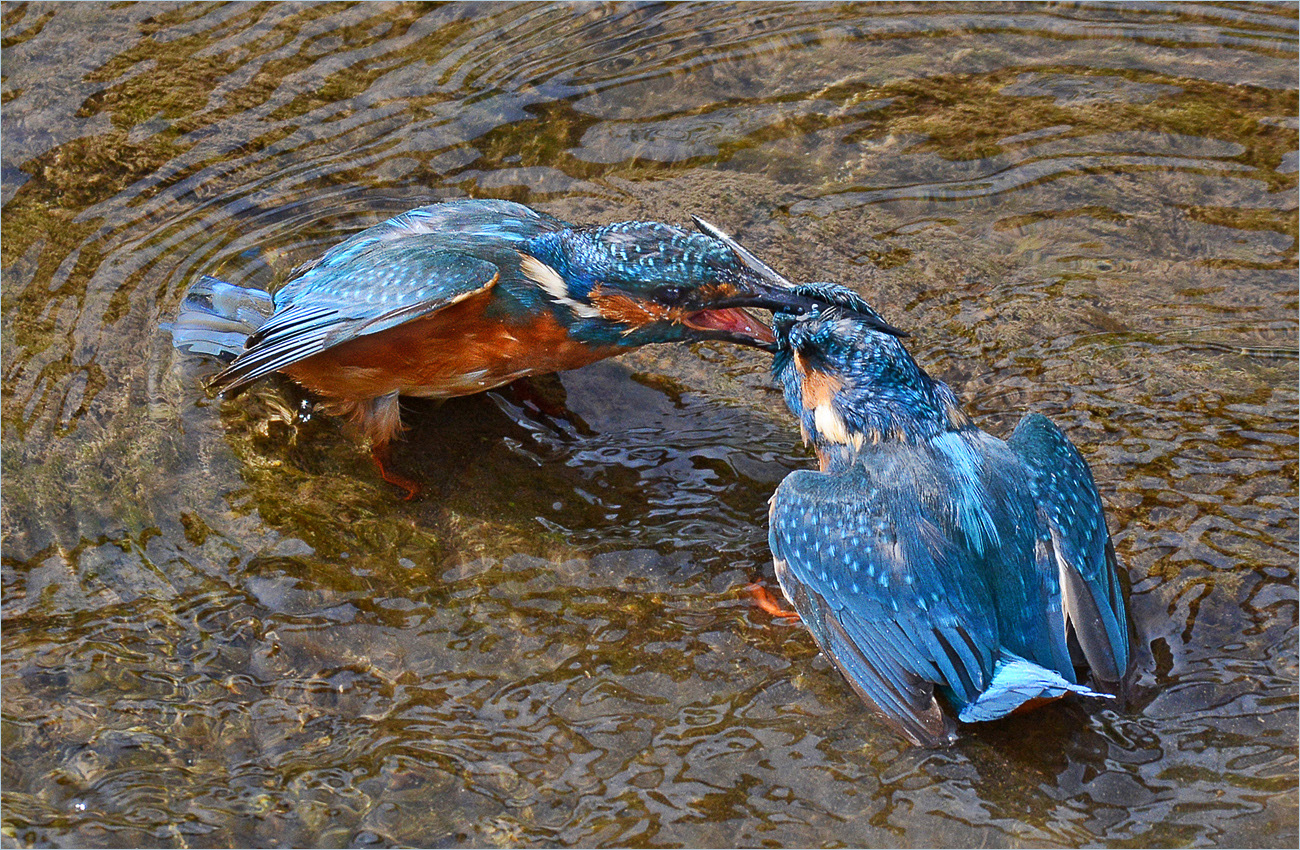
(1063, 486)
(409, 266)
(385, 286)
(456, 222)
(884, 593)
(976, 489)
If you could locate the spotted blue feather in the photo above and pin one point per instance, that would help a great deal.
(937, 566)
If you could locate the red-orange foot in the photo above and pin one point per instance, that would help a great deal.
(383, 458)
(764, 599)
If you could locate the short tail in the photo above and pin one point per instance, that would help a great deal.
(217, 317)
(1016, 682)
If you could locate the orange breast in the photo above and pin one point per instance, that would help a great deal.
(453, 352)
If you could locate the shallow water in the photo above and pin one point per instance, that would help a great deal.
(221, 628)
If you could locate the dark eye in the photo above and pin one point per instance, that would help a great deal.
(667, 294)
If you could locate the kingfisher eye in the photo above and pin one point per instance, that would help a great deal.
(667, 294)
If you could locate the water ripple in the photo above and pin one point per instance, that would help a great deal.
(221, 628)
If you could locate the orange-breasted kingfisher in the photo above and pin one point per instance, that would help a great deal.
(942, 570)
(463, 296)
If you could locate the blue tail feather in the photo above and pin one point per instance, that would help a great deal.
(216, 317)
(1016, 682)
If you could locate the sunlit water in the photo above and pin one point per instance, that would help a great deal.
(221, 628)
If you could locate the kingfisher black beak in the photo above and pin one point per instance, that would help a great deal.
(726, 314)
(766, 289)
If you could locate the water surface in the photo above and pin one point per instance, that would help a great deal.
(220, 627)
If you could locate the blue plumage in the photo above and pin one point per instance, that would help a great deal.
(410, 262)
(1016, 681)
(372, 318)
(217, 317)
(928, 558)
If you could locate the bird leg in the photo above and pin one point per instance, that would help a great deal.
(764, 599)
(382, 454)
(527, 391)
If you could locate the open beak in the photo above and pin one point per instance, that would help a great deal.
(723, 314)
(734, 324)
(766, 289)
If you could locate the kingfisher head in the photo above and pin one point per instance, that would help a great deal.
(641, 282)
(849, 379)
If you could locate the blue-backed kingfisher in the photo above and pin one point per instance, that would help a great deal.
(463, 296)
(935, 565)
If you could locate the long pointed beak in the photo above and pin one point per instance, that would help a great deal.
(782, 297)
(722, 311)
(766, 289)
(725, 314)
(747, 259)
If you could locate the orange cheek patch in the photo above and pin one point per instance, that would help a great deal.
(817, 388)
(617, 307)
(801, 367)
(817, 395)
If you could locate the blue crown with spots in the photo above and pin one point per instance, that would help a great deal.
(880, 392)
(635, 256)
(824, 296)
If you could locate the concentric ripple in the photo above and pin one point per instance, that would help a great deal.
(220, 626)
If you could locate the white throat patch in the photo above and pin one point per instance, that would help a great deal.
(830, 424)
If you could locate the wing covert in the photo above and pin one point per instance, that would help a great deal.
(338, 302)
(442, 226)
(873, 580)
(1063, 486)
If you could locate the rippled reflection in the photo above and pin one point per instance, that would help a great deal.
(220, 628)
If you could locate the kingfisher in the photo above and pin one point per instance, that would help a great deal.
(942, 570)
(462, 296)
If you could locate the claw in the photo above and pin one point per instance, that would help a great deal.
(764, 599)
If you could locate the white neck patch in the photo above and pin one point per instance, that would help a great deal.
(553, 285)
